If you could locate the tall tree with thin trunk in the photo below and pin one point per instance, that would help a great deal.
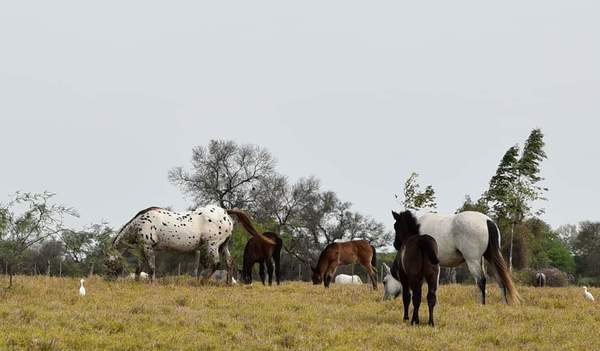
(516, 185)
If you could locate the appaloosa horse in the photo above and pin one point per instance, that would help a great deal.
(343, 253)
(156, 228)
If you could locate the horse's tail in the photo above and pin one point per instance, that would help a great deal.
(374, 258)
(428, 246)
(117, 240)
(493, 255)
(245, 221)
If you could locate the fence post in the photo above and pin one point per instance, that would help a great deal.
(60, 268)
(179, 269)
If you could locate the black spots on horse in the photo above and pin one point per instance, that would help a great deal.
(165, 224)
(210, 220)
(212, 210)
(146, 236)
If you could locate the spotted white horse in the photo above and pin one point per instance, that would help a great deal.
(156, 228)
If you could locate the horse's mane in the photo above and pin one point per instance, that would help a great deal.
(409, 223)
(131, 220)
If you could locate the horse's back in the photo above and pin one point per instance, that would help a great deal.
(457, 236)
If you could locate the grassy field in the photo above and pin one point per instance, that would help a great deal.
(176, 314)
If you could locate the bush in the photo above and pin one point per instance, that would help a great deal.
(554, 277)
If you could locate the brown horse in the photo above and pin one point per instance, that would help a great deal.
(265, 255)
(349, 252)
(258, 250)
(416, 260)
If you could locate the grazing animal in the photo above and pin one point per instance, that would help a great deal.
(81, 288)
(391, 286)
(588, 295)
(156, 228)
(343, 253)
(347, 279)
(467, 237)
(416, 260)
(540, 280)
(262, 252)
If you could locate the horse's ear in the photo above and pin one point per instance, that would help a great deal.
(396, 215)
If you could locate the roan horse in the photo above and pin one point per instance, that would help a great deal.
(259, 251)
(415, 261)
(156, 228)
(344, 253)
(468, 237)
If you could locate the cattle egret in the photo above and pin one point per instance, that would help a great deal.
(587, 294)
(81, 288)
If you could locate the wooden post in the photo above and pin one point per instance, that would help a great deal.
(300, 271)
(35, 269)
(92, 270)
(60, 268)
(179, 269)
(48, 271)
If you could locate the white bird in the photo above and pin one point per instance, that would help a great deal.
(587, 294)
(82, 288)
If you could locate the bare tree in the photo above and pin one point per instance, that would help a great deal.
(226, 173)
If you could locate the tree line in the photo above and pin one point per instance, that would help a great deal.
(34, 239)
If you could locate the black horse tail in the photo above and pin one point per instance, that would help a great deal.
(428, 246)
(493, 255)
(374, 258)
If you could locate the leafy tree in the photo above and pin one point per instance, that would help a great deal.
(515, 186)
(479, 206)
(587, 249)
(26, 220)
(414, 198)
(225, 173)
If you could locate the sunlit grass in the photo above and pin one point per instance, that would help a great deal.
(178, 314)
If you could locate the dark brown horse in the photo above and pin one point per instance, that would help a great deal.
(339, 254)
(258, 250)
(416, 260)
(265, 255)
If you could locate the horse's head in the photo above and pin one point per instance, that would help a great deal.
(317, 278)
(406, 226)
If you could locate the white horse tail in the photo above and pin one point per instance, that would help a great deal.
(494, 256)
(124, 229)
(245, 221)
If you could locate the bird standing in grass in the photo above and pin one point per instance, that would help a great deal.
(81, 288)
(588, 295)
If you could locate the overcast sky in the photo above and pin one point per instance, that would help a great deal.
(98, 101)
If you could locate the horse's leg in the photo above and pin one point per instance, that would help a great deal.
(276, 259)
(150, 259)
(197, 265)
(372, 276)
(432, 283)
(405, 297)
(226, 256)
(270, 270)
(476, 268)
(416, 300)
(213, 258)
(261, 271)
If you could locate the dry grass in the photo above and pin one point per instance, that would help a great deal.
(176, 314)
